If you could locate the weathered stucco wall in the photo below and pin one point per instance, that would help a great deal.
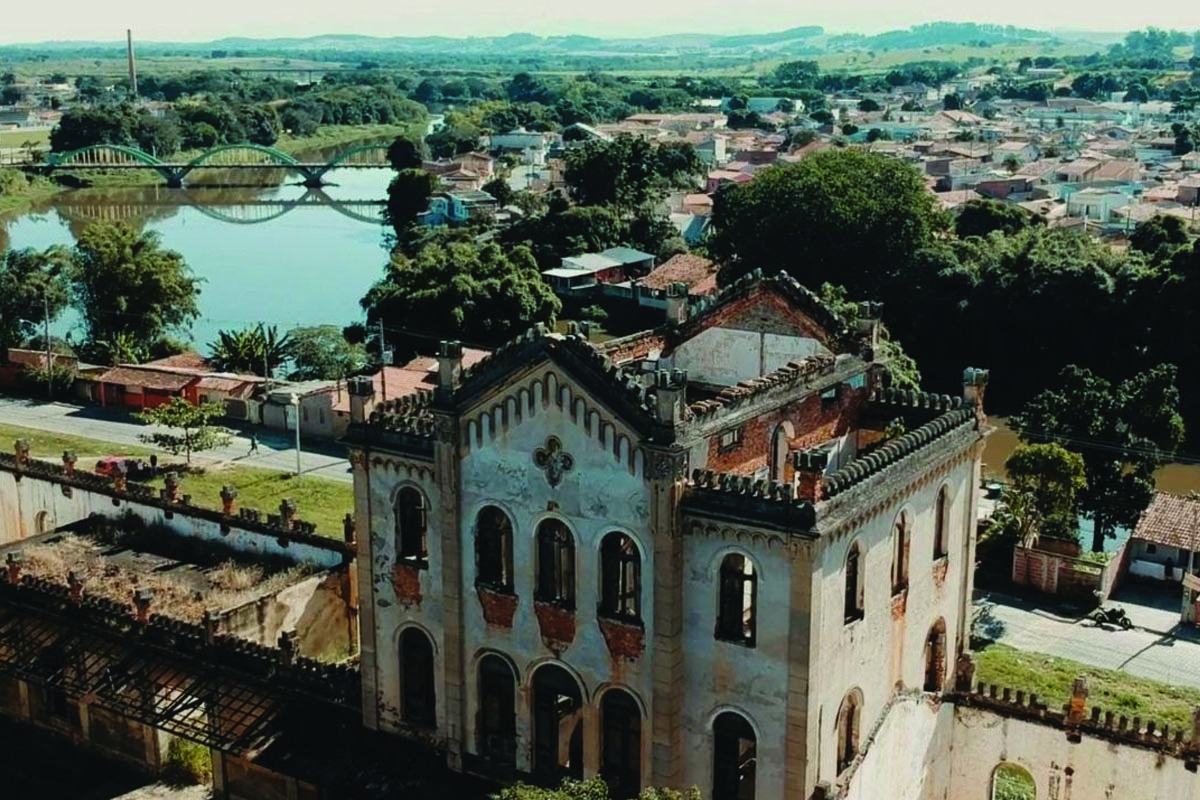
(315, 608)
(907, 756)
(725, 357)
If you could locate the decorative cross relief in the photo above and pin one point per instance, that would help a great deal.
(553, 461)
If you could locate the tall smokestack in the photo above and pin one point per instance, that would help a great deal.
(132, 62)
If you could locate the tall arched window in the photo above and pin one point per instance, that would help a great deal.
(555, 564)
(779, 451)
(935, 657)
(557, 724)
(1012, 782)
(853, 603)
(412, 522)
(621, 744)
(736, 610)
(494, 549)
(735, 757)
(418, 705)
(941, 509)
(900, 555)
(497, 711)
(620, 577)
(847, 729)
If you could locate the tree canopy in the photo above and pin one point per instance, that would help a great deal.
(256, 349)
(32, 283)
(1122, 432)
(981, 217)
(190, 431)
(322, 352)
(460, 290)
(1041, 498)
(628, 171)
(848, 217)
(129, 289)
(408, 196)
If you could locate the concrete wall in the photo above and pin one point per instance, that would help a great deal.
(315, 608)
(906, 756)
(725, 357)
(35, 504)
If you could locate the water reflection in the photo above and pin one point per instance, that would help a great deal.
(283, 254)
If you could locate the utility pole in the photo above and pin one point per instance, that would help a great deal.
(383, 362)
(46, 334)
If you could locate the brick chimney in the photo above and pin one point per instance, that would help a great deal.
(362, 392)
(228, 495)
(21, 450)
(670, 392)
(171, 492)
(810, 474)
(68, 460)
(141, 604)
(449, 359)
(869, 315)
(677, 303)
(1078, 703)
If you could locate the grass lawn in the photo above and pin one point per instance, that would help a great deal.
(50, 446)
(1051, 678)
(18, 138)
(319, 501)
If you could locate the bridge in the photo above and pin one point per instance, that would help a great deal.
(242, 212)
(229, 156)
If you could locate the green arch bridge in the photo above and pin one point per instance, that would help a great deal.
(229, 156)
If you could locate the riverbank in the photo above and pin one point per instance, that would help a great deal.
(19, 190)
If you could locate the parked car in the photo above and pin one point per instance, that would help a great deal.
(111, 465)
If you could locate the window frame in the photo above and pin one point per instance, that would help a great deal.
(556, 587)
(403, 535)
(853, 605)
(734, 584)
(941, 524)
(494, 550)
(620, 578)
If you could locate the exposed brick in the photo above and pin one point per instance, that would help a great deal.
(406, 579)
(939, 572)
(900, 604)
(556, 624)
(625, 641)
(498, 607)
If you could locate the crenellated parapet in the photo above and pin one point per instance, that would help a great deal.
(795, 374)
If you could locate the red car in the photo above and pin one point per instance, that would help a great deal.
(110, 465)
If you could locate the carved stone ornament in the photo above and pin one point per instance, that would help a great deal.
(553, 460)
(670, 466)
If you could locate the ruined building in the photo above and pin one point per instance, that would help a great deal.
(707, 554)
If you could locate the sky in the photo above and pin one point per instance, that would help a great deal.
(155, 20)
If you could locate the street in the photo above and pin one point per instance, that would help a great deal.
(276, 449)
(1156, 648)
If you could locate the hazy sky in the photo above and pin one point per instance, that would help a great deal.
(174, 21)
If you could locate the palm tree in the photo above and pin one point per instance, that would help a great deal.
(258, 350)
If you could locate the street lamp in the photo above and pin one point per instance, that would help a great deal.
(295, 401)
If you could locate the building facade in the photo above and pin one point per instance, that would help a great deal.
(707, 554)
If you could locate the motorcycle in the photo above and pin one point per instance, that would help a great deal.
(1112, 616)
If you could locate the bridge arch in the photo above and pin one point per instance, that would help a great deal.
(278, 156)
(100, 154)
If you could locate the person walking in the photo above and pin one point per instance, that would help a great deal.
(253, 443)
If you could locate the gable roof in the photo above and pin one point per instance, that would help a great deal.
(697, 272)
(1172, 521)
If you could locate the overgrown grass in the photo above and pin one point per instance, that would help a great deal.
(1051, 678)
(18, 190)
(19, 138)
(188, 763)
(50, 446)
(320, 501)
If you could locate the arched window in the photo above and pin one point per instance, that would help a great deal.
(418, 705)
(779, 451)
(494, 549)
(935, 657)
(734, 757)
(1012, 782)
(854, 584)
(497, 711)
(411, 524)
(621, 744)
(941, 509)
(736, 609)
(620, 577)
(555, 564)
(847, 730)
(900, 555)
(557, 724)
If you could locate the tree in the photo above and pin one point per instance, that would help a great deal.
(981, 216)
(257, 350)
(32, 283)
(618, 172)
(127, 288)
(845, 216)
(1041, 499)
(1136, 93)
(1159, 230)
(406, 153)
(323, 353)
(797, 73)
(867, 105)
(1012, 162)
(951, 102)
(408, 196)
(498, 188)
(194, 434)
(10, 95)
(901, 370)
(461, 290)
(1123, 433)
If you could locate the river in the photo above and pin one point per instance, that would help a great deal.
(282, 255)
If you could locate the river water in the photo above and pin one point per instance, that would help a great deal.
(282, 254)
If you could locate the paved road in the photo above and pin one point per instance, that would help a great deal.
(1155, 648)
(275, 450)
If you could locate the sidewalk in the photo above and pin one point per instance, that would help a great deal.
(276, 449)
